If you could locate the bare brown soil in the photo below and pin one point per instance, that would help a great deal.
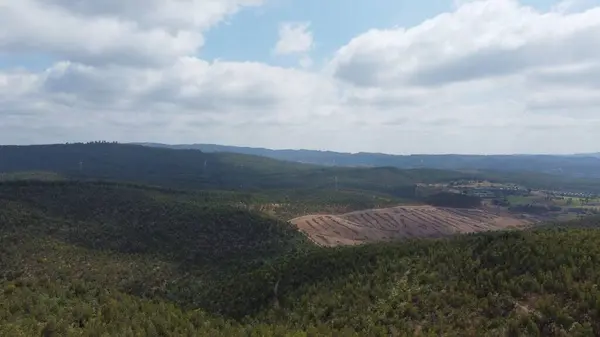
(403, 222)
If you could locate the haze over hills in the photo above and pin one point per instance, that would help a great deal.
(580, 165)
(595, 154)
(300, 187)
(193, 169)
(190, 169)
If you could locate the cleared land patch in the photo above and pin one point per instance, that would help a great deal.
(403, 222)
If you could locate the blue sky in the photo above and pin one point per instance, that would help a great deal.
(435, 76)
(251, 34)
(34, 62)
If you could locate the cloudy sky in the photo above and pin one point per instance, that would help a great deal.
(395, 76)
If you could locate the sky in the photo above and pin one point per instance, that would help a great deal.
(391, 76)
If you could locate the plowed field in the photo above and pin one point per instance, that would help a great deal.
(402, 222)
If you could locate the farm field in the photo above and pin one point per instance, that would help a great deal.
(403, 222)
(524, 200)
(576, 202)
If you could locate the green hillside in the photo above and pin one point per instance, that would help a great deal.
(280, 180)
(538, 170)
(103, 259)
(192, 169)
(80, 256)
(30, 175)
(178, 169)
(202, 229)
(296, 189)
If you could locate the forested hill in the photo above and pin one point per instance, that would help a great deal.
(178, 169)
(578, 173)
(190, 169)
(582, 166)
(96, 257)
(102, 259)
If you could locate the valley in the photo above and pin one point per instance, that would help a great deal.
(106, 239)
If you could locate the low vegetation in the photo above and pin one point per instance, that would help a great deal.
(454, 200)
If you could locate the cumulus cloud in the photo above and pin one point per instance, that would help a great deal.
(489, 76)
(578, 75)
(573, 5)
(481, 39)
(133, 32)
(294, 38)
(172, 14)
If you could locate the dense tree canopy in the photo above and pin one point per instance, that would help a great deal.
(453, 200)
(192, 169)
(94, 259)
(87, 249)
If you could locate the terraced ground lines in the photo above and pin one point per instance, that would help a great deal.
(401, 222)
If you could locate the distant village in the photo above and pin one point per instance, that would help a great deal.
(570, 194)
(495, 192)
(521, 199)
(487, 190)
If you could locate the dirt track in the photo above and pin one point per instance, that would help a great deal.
(402, 222)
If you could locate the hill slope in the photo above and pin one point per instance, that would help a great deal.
(402, 222)
(516, 283)
(583, 165)
(97, 259)
(281, 182)
(575, 173)
(177, 169)
(204, 229)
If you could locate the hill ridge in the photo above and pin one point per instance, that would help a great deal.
(574, 166)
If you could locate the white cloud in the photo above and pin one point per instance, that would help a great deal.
(306, 62)
(481, 39)
(565, 6)
(131, 32)
(294, 38)
(173, 14)
(490, 76)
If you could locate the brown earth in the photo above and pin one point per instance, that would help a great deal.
(403, 222)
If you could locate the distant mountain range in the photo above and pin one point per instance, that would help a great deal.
(594, 155)
(577, 165)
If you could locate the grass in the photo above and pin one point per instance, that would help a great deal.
(521, 200)
(31, 175)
